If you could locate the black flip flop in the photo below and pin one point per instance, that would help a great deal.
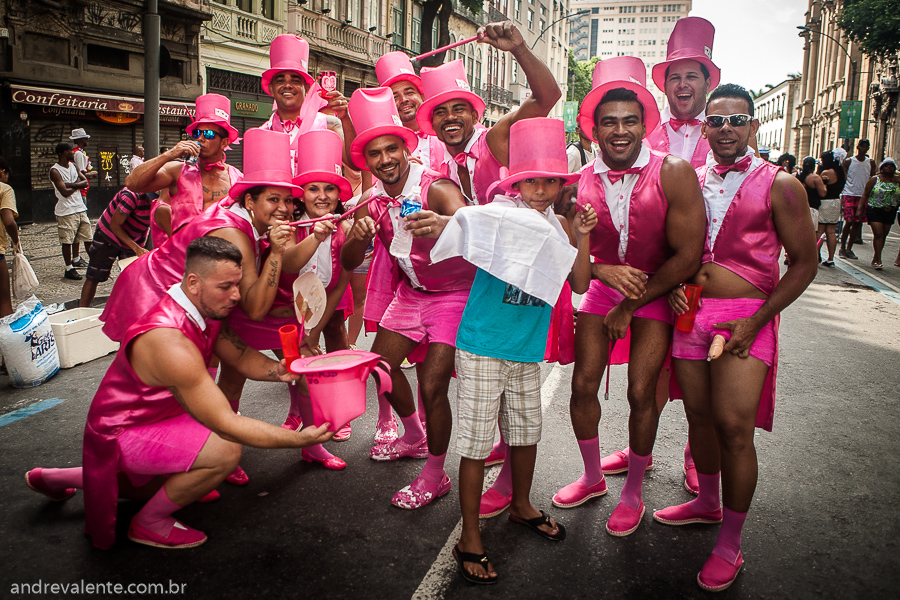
(535, 525)
(482, 559)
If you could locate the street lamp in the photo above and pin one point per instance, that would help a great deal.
(805, 29)
(586, 11)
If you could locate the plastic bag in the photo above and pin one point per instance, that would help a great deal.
(24, 281)
(28, 345)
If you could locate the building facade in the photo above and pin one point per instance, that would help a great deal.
(775, 111)
(75, 64)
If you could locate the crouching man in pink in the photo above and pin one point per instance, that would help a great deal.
(752, 209)
(158, 426)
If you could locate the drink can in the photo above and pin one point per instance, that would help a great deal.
(410, 206)
(328, 80)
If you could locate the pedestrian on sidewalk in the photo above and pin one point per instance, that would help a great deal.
(879, 201)
(137, 159)
(71, 212)
(830, 210)
(859, 170)
(121, 232)
(8, 216)
(82, 161)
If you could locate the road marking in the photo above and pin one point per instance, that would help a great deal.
(877, 283)
(434, 584)
(33, 409)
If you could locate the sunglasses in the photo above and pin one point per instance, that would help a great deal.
(208, 134)
(734, 120)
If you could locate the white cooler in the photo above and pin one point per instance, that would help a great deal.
(79, 337)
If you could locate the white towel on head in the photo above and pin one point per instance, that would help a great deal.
(512, 242)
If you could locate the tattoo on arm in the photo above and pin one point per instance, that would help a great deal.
(273, 375)
(232, 338)
(272, 282)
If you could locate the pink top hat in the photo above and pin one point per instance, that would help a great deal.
(626, 72)
(287, 53)
(267, 161)
(374, 114)
(442, 84)
(394, 67)
(537, 149)
(692, 38)
(321, 161)
(213, 109)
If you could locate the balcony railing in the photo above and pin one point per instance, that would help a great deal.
(495, 15)
(238, 25)
(461, 11)
(331, 36)
(496, 94)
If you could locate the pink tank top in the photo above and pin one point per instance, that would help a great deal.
(285, 294)
(450, 275)
(748, 244)
(157, 235)
(187, 202)
(647, 246)
(124, 401)
(145, 281)
(658, 139)
(487, 168)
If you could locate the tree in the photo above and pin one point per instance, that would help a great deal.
(580, 74)
(440, 10)
(873, 24)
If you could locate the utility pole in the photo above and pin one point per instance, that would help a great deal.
(151, 80)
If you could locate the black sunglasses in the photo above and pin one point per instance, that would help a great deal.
(734, 120)
(208, 134)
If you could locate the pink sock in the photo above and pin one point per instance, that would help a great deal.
(688, 458)
(304, 405)
(590, 454)
(61, 479)
(385, 412)
(421, 406)
(434, 468)
(503, 485)
(294, 408)
(631, 492)
(708, 499)
(157, 513)
(500, 447)
(412, 429)
(729, 543)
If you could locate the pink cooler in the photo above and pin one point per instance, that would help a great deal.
(337, 384)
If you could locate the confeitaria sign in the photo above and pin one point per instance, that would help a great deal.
(61, 99)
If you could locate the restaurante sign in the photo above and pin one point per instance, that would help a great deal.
(97, 102)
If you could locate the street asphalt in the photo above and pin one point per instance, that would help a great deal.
(821, 525)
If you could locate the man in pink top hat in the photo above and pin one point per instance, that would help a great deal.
(411, 203)
(753, 209)
(686, 77)
(395, 70)
(288, 80)
(195, 186)
(157, 390)
(451, 111)
(649, 238)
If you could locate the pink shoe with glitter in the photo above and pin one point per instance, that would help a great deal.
(238, 477)
(576, 494)
(386, 431)
(493, 503)
(421, 492)
(624, 520)
(717, 574)
(400, 449)
(293, 422)
(34, 480)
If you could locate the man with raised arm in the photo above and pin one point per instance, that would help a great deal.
(649, 238)
(753, 208)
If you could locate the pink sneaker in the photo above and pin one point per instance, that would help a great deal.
(576, 494)
(495, 458)
(493, 503)
(617, 462)
(399, 449)
(181, 536)
(293, 422)
(343, 434)
(421, 492)
(717, 574)
(385, 431)
(691, 483)
(34, 480)
(624, 520)
(238, 477)
(210, 497)
(685, 514)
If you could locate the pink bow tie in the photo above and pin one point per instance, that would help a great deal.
(614, 176)
(211, 166)
(461, 159)
(290, 124)
(741, 165)
(676, 124)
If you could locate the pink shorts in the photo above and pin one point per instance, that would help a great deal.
(695, 345)
(162, 448)
(600, 299)
(260, 335)
(431, 317)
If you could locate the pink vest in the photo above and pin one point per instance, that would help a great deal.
(747, 243)
(450, 275)
(124, 401)
(487, 168)
(187, 202)
(157, 235)
(647, 245)
(146, 280)
(658, 139)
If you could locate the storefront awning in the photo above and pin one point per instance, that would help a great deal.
(24, 94)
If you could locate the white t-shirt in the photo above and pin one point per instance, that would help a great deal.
(858, 174)
(74, 203)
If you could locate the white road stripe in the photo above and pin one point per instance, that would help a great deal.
(434, 584)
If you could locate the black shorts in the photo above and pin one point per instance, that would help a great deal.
(881, 215)
(103, 253)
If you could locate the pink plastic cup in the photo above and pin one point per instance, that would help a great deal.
(290, 343)
(685, 322)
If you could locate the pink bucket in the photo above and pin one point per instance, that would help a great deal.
(337, 384)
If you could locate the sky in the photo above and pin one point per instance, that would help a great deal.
(756, 40)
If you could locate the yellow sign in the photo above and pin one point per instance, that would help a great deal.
(107, 160)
